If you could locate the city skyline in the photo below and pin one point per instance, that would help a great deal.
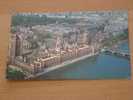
(43, 42)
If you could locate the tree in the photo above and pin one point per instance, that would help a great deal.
(15, 74)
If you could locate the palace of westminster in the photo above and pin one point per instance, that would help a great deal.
(63, 49)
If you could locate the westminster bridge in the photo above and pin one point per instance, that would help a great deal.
(118, 53)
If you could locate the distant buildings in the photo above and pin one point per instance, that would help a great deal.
(36, 47)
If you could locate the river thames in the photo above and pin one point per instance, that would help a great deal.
(102, 66)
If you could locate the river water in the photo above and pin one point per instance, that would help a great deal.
(102, 66)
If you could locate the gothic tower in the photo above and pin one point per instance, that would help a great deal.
(58, 44)
(15, 47)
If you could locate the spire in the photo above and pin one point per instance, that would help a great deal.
(84, 37)
(58, 44)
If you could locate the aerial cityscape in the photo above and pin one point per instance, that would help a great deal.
(69, 45)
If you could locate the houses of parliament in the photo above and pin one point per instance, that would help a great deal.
(64, 49)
